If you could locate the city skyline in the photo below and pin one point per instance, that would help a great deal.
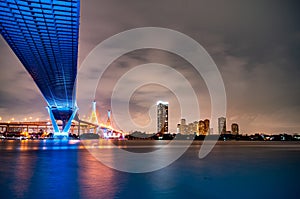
(253, 44)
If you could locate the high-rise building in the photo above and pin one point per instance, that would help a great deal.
(235, 129)
(193, 128)
(162, 116)
(183, 128)
(204, 127)
(222, 125)
(207, 129)
(201, 127)
(183, 121)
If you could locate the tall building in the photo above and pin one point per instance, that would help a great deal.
(183, 121)
(204, 127)
(222, 125)
(183, 128)
(235, 129)
(201, 127)
(162, 116)
(193, 128)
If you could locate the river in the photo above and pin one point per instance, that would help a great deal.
(67, 169)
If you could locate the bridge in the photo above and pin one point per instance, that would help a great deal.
(44, 36)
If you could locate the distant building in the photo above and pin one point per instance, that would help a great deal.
(178, 128)
(162, 117)
(183, 127)
(183, 121)
(201, 127)
(222, 125)
(204, 127)
(197, 127)
(193, 128)
(235, 129)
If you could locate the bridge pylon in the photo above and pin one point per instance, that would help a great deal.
(108, 122)
(94, 118)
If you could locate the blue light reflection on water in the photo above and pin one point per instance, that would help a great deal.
(50, 169)
(33, 172)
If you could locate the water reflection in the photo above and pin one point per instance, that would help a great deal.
(66, 170)
(95, 179)
(28, 170)
(23, 172)
(146, 159)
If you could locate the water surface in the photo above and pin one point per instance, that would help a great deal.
(53, 169)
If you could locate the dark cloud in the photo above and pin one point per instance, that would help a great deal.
(255, 44)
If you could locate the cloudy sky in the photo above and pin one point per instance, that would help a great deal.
(255, 44)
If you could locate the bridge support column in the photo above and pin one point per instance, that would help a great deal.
(53, 121)
(69, 123)
(66, 126)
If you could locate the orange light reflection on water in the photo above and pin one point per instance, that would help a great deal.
(95, 179)
(24, 145)
(23, 172)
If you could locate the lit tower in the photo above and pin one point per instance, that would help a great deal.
(94, 118)
(162, 117)
(108, 122)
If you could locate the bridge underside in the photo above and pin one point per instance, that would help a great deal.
(44, 36)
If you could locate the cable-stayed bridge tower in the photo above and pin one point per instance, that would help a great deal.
(94, 118)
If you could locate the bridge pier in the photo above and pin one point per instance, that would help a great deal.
(64, 133)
